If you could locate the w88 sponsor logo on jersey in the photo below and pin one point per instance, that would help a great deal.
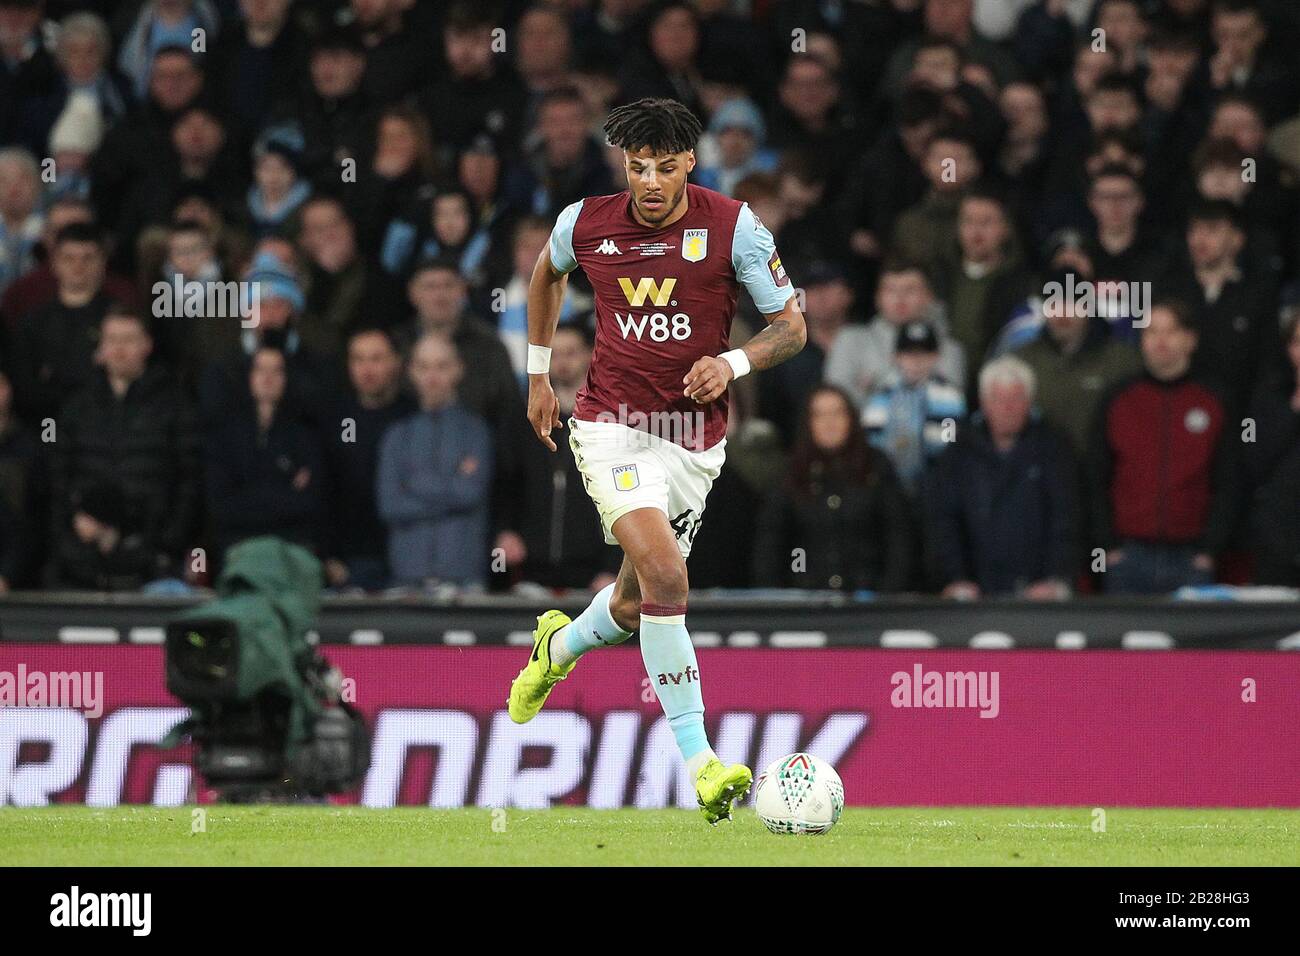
(656, 326)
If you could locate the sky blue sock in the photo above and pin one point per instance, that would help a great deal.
(594, 627)
(670, 661)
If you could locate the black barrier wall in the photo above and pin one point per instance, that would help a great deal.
(727, 621)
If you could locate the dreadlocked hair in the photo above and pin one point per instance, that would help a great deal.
(663, 125)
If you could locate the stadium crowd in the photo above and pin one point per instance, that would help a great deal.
(1048, 252)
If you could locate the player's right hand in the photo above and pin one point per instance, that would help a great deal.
(543, 408)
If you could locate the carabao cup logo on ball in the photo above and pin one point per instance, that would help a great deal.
(799, 793)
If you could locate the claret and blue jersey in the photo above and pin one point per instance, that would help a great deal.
(664, 298)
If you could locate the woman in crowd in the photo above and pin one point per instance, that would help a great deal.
(840, 519)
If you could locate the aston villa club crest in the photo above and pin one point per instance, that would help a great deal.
(625, 477)
(695, 244)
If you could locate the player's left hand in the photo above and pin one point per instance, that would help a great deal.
(707, 379)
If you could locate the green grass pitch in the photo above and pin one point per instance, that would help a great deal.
(353, 836)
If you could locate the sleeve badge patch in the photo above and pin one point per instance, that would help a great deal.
(778, 270)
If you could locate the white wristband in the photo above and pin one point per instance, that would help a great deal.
(738, 361)
(539, 359)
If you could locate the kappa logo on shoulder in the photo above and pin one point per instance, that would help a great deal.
(608, 248)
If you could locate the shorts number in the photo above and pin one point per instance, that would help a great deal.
(685, 525)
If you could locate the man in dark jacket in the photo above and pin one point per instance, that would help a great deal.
(1272, 463)
(1002, 501)
(132, 428)
(54, 346)
(356, 543)
(1076, 362)
(1161, 475)
(1234, 310)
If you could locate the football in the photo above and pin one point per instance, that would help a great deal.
(799, 793)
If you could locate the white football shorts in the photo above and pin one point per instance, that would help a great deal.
(624, 469)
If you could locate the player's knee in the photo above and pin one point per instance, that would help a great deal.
(664, 582)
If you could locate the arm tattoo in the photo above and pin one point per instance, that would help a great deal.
(776, 343)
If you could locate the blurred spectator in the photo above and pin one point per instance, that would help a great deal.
(1234, 313)
(813, 120)
(897, 157)
(23, 502)
(229, 243)
(37, 287)
(862, 356)
(1245, 61)
(669, 65)
(257, 61)
(400, 174)
(332, 106)
(913, 413)
(201, 154)
(755, 463)
(543, 45)
(1002, 502)
(805, 230)
(83, 50)
(17, 451)
(136, 148)
(161, 24)
(1024, 157)
(20, 218)
(478, 93)
(982, 277)
(566, 163)
(531, 234)
(1162, 518)
(54, 347)
(951, 166)
(435, 471)
(1272, 463)
(1076, 362)
(1122, 248)
(133, 429)
(275, 323)
(564, 542)
(75, 136)
(278, 189)
(352, 428)
(100, 550)
(1125, 30)
(445, 227)
(396, 48)
(438, 296)
(736, 136)
(343, 288)
(28, 73)
(953, 20)
(263, 462)
(827, 308)
(839, 520)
